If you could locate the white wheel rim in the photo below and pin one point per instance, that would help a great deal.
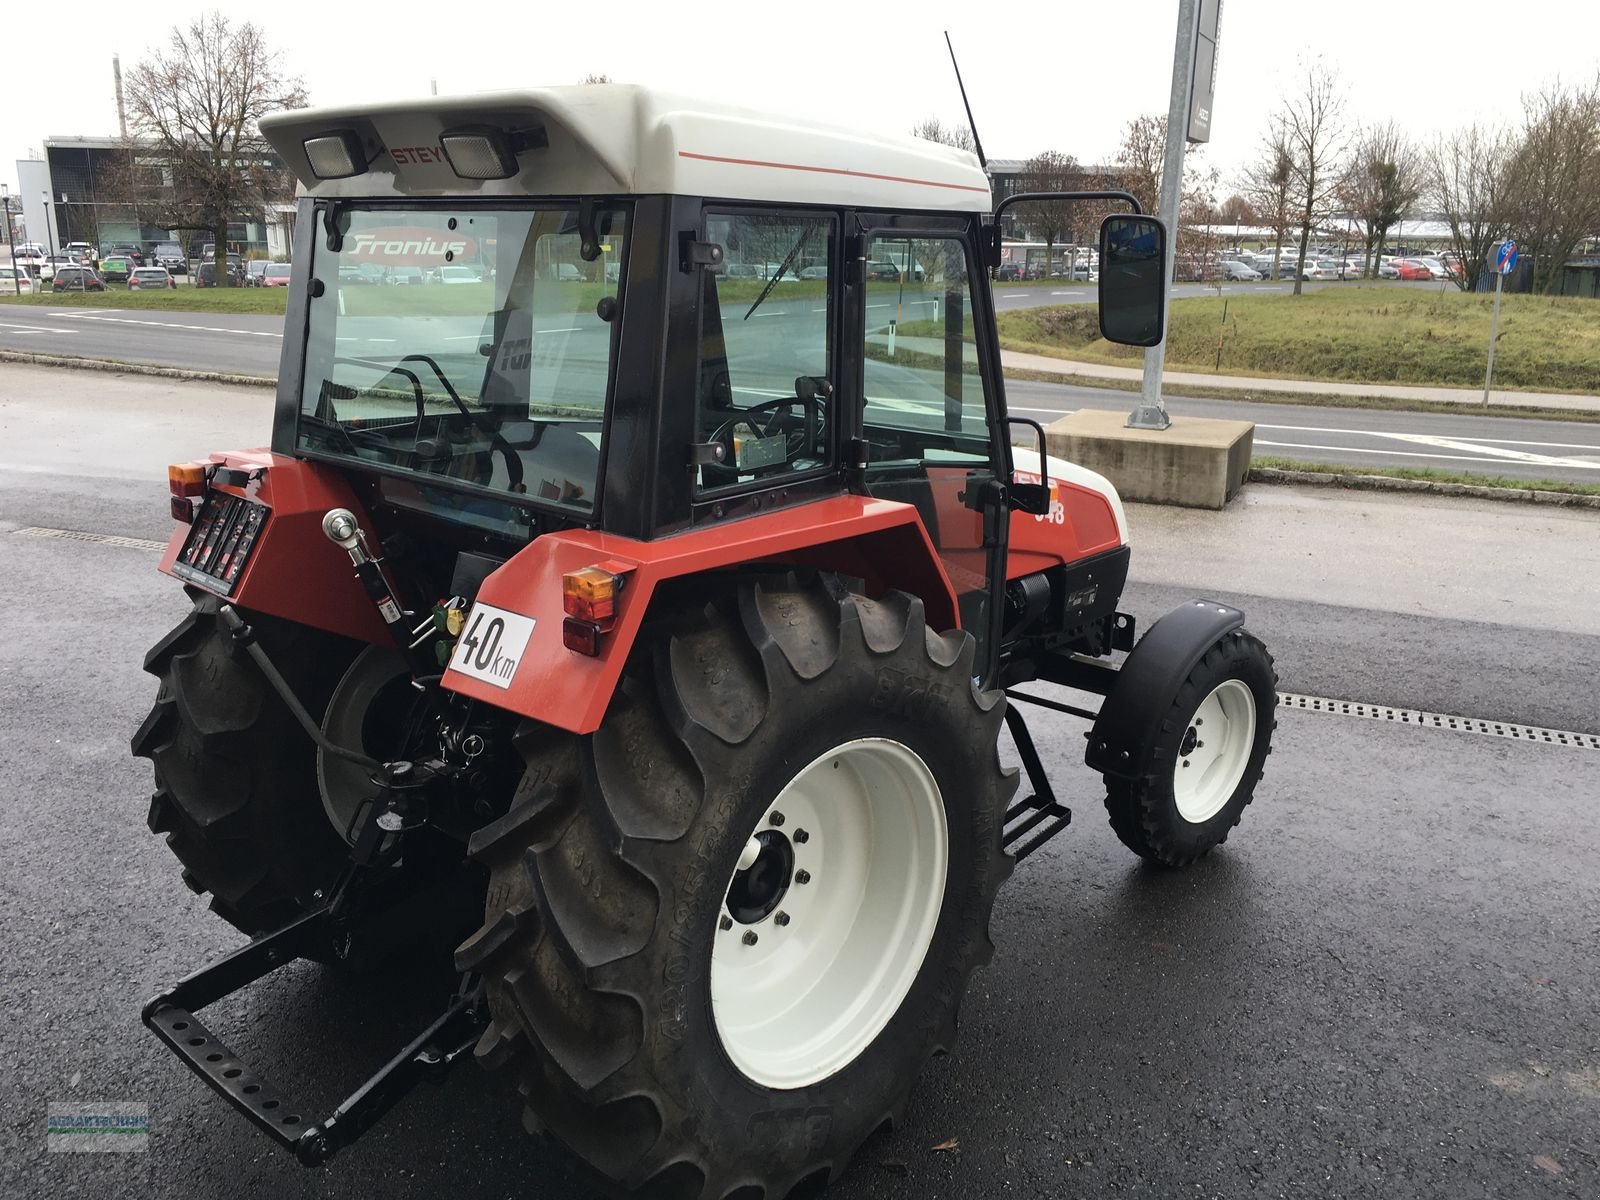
(799, 992)
(1215, 751)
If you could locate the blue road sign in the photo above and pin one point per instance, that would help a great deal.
(1505, 257)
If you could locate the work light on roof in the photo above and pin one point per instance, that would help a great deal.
(336, 155)
(484, 152)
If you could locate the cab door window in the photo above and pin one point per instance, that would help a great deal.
(765, 379)
(926, 407)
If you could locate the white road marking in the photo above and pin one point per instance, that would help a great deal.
(568, 329)
(1013, 295)
(34, 328)
(174, 325)
(1502, 453)
(1471, 458)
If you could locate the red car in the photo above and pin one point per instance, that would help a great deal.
(1410, 268)
(276, 275)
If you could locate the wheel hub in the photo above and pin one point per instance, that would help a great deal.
(759, 886)
(1215, 752)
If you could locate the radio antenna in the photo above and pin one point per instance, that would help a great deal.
(971, 124)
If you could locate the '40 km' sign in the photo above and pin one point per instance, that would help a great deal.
(491, 644)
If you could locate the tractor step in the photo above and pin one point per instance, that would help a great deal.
(171, 1017)
(1043, 819)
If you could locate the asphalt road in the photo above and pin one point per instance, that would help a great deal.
(1383, 985)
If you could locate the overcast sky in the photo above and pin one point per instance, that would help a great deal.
(1065, 76)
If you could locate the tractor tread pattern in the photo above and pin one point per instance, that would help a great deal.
(593, 857)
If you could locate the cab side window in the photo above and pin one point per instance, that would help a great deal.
(766, 355)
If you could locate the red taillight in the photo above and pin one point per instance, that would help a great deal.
(182, 510)
(582, 636)
(590, 594)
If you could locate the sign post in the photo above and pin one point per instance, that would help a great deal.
(1194, 69)
(1505, 261)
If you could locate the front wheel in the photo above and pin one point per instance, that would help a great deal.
(1208, 756)
(725, 931)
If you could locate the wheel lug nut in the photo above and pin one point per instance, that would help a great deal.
(1186, 762)
(1198, 744)
(776, 819)
(802, 876)
(800, 835)
(1198, 721)
(781, 919)
(726, 922)
(750, 937)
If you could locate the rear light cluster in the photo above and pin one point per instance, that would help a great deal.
(589, 598)
(225, 530)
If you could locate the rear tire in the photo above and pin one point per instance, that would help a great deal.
(1207, 758)
(236, 782)
(610, 927)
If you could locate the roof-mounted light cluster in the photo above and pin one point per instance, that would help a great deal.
(336, 155)
(473, 151)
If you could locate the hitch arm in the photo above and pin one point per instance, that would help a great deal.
(171, 1017)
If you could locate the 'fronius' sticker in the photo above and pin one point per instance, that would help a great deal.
(491, 645)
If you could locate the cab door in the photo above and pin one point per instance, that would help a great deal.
(930, 411)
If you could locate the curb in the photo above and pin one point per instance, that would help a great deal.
(1386, 483)
(127, 368)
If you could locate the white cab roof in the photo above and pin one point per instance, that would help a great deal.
(618, 139)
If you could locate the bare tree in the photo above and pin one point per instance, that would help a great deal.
(1238, 210)
(194, 107)
(932, 129)
(1269, 183)
(1141, 157)
(1553, 183)
(1050, 220)
(1467, 180)
(1381, 183)
(1313, 129)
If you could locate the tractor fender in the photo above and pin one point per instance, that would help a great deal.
(880, 541)
(1147, 684)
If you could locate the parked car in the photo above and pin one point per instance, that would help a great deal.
(881, 271)
(742, 271)
(446, 274)
(170, 256)
(1411, 268)
(1436, 268)
(817, 272)
(568, 273)
(117, 269)
(1388, 270)
(414, 276)
(127, 250)
(1233, 268)
(15, 280)
(1008, 272)
(145, 279)
(206, 276)
(77, 279)
(277, 275)
(254, 270)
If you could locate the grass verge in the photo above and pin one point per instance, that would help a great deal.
(179, 299)
(1355, 333)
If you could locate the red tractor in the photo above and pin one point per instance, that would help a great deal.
(632, 602)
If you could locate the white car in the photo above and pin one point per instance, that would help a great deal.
(1238, 269)
(459, 275)
(15, 280)
(1436, 267)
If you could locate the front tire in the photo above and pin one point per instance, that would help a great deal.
(1207, 758)
(717, 967)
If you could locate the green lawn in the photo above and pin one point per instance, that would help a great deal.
(180, 299)
(1369, 334)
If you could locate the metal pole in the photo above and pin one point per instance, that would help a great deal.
(1494, 334)
(1151, 413)
(49, 238)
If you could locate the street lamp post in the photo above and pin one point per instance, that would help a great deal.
(11, 238)
(49, 238)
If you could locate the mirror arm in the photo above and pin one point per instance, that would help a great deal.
(1032, 498)
(1127, 198)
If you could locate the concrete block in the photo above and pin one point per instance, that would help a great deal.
(1197, 463)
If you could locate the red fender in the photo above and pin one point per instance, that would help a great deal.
(881, 541)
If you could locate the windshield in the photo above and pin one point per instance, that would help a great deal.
(498, 382)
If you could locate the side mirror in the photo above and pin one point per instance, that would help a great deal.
(1133, 280)
(1029, 497)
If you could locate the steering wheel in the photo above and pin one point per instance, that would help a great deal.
(801, 437)
(475, 466)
